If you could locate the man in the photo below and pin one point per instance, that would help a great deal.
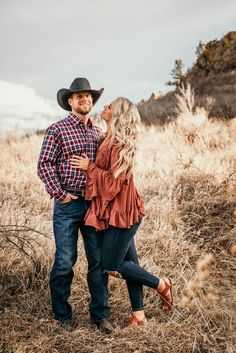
(76, 134)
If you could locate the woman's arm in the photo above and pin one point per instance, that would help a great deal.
(101, 183)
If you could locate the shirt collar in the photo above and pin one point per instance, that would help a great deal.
(73, 119)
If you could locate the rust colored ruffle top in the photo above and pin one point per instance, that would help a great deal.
(114, 201)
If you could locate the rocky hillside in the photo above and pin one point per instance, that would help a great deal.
(216, 57)
(213, 78)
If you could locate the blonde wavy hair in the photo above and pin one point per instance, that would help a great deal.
(125, 124)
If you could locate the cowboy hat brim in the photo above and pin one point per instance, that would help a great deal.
(64, 93)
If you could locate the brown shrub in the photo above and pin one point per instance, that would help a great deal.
(215, 93)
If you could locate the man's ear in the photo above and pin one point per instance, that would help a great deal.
(69, 100)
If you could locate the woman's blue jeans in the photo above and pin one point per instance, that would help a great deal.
(119, 259)
(67, 221)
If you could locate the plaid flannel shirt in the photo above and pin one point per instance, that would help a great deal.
(63, 139)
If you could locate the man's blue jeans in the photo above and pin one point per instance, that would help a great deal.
(67, 221)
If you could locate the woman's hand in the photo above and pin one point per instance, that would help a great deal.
(80, 162)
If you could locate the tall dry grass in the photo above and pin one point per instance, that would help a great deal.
(186, 172)
(215, 93)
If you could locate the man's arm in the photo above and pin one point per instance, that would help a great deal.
(47, 164)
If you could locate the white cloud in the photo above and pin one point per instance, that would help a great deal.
(134, 40)
(22, 110)
(127, 47)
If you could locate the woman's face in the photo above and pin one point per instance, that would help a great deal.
(107, 113)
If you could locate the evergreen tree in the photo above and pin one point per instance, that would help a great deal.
(177, 73)
(200, 49)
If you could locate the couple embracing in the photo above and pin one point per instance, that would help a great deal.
(90, 177)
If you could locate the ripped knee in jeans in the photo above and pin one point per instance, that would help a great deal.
(113, 273)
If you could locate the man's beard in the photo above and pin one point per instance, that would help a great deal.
(83, 111)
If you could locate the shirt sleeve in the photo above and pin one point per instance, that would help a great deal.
(101, 184)
(47, 171)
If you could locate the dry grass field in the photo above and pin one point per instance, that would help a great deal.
(186, 172)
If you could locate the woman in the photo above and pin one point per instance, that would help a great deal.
(116, 206)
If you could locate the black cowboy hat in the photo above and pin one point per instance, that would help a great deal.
(79, 84)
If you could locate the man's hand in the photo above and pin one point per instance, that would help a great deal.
(69, 197)
(80, 162)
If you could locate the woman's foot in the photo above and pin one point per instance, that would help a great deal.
(137, 318)
(165, 291)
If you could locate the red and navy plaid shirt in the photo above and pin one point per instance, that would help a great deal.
(63, 139)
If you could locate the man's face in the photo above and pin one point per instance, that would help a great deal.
(81, 102)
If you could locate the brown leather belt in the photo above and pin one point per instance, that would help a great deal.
(76, 192)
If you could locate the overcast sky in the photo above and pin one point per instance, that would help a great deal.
(126, 46)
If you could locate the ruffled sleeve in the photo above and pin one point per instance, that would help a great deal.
(101, 183)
